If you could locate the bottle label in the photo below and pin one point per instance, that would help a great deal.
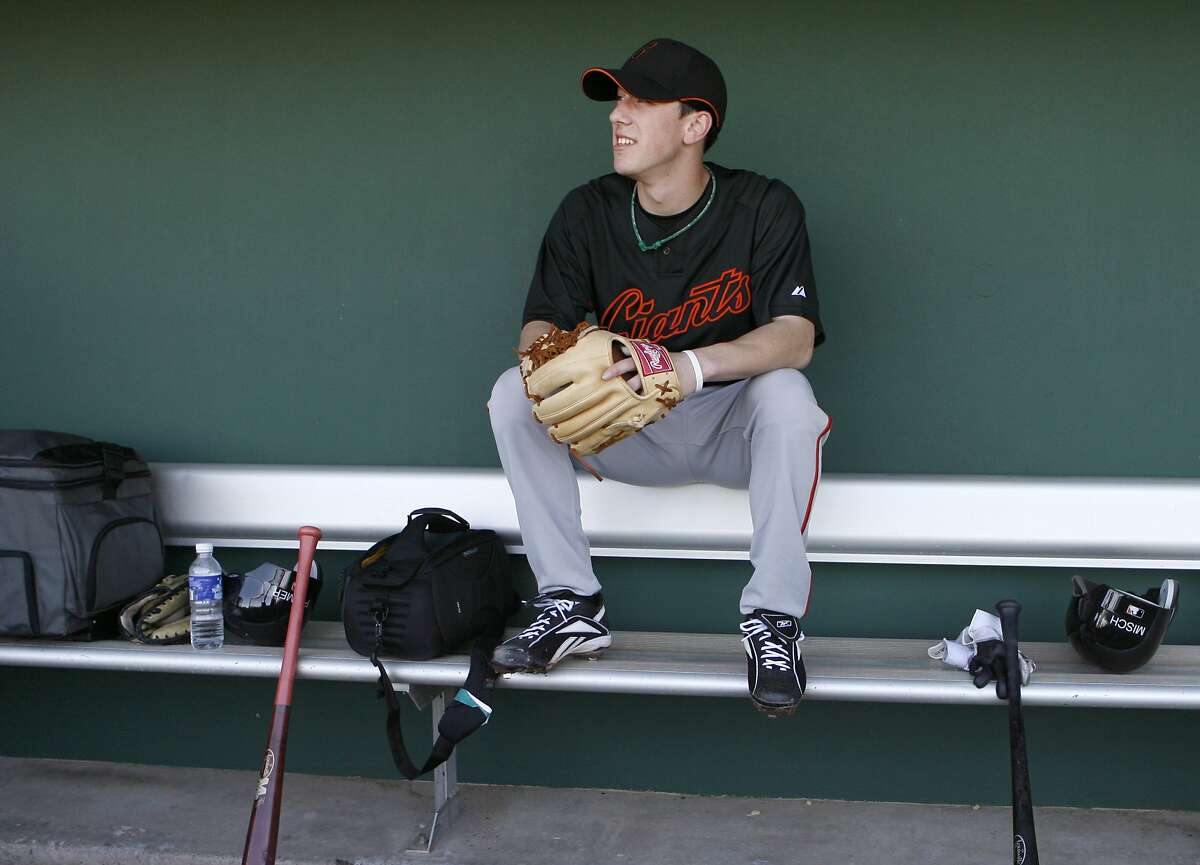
(205, 588)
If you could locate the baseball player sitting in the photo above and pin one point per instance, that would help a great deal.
(700, 281)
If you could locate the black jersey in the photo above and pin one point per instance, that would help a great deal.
(744, 262)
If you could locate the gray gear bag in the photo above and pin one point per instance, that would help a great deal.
(78, 536)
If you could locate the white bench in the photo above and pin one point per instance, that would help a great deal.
(1048, 522)
(893, 519)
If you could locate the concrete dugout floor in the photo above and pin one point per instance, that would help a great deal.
(86, 813)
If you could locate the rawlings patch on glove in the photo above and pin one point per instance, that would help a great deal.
(562, 372)
(160, 615)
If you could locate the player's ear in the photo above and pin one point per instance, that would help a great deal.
(697, 127)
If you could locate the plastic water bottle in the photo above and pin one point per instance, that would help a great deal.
(205, 595)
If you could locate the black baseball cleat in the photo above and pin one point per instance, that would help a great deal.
(567, 624)
(774, 667)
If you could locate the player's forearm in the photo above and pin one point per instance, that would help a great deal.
(530, 332)
(785, 343)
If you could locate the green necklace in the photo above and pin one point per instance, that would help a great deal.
(650, 247)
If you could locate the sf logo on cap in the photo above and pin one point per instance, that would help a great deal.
(642, 50)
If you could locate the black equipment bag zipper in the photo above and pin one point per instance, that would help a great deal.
(65, 485)
(108, 457)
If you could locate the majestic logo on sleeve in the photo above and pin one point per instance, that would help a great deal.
(634, 314)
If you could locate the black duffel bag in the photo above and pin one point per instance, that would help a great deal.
(427, 590)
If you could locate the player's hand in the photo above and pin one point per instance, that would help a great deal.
(627, 369)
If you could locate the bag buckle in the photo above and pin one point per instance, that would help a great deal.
(380, 610)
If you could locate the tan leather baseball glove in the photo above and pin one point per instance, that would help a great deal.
(161, 614)
(562, 378)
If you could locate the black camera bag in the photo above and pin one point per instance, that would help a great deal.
(420, 593)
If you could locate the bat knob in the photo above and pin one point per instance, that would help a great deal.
(1009, 611)
(310, 532)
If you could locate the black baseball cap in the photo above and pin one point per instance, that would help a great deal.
(663, 69)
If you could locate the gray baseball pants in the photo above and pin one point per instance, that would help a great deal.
(764, 434)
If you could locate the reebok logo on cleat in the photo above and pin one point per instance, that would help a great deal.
(786, 626)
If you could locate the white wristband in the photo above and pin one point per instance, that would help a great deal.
(696, 368)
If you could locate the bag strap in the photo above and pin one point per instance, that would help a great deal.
(407, 543)
(466, 714)
(113, 458)
(428, 515)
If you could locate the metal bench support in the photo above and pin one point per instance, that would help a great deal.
(445, 776)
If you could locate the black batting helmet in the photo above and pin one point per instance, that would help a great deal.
(1118, 630)
(259, 602)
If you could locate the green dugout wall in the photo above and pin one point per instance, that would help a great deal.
(302, 233)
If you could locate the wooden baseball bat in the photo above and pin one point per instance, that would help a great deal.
(1025, 850)
(263, 831)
